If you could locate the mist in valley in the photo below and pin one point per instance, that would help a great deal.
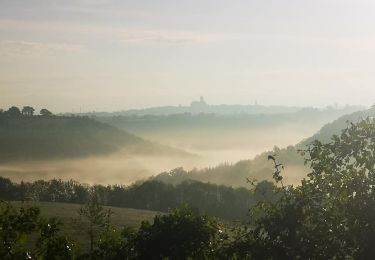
(209, 148)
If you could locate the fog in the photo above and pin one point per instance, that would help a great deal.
(222, 146)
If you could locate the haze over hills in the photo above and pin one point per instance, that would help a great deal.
(201, 106)
(259, 168)
(326, 132)
(55, 137)
(228, 137)
(34, 147)
(216, 121)
(230, 146)
(198, 110)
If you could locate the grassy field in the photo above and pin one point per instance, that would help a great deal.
(68, 214)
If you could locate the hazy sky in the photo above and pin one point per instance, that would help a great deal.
(118, 54)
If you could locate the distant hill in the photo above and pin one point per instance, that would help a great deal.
(37, 137)
(236, 174)
(144, 123)
(335, 127)
(260, 168)
(202, 107)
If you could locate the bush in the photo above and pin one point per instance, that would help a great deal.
(181, 234)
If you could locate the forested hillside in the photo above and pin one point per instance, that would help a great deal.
(46, 137)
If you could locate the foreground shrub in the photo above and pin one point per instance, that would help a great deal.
(181, 234)
(331, 215)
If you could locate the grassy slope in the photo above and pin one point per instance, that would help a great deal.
(67, 213)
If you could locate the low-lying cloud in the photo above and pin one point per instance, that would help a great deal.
(31, 48)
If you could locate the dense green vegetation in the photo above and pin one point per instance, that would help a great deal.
(180, 234)
(24, 136)
(331, 214)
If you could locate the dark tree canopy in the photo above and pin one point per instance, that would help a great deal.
(24, 234)
(45, 112)
(28, 111)
(182, 234)
(14, 111)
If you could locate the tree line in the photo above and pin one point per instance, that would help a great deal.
(26, 111)
(217, 200)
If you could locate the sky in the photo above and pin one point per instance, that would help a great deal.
(106, 55)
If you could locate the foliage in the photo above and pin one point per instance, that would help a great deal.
(25, 235)
(51, 245)
(45, 112)
(331, 215)
(116, 245)
(182, 234)
(94, 219)
(13, 112)
(27, 111)
(15, 226)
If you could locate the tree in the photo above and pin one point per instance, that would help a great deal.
(181, 234)
(15, 226)
(8, 190)
(94, 219)
(45, 112)
(28, 111)
(50, 244)
(116, 245)
(331, 215)
(13, 111)
(21, 226)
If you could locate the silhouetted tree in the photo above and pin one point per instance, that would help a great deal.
(45, 112)
(14, 112)
(94, 219)
(28, 111)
